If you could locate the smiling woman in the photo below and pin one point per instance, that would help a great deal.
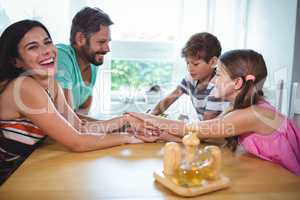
(37, 53)
(32, 104)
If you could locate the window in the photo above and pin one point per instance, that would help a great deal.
(145, 48)
(146, 41)
(147, 37)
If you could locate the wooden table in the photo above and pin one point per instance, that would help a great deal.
(125, 172)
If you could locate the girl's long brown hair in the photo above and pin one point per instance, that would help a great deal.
(240, 63)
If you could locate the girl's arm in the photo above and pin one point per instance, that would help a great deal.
(251, 119)
(231, 124)
(36, 105)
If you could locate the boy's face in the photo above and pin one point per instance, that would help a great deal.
(198, 68)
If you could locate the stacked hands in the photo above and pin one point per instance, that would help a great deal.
(150, 128)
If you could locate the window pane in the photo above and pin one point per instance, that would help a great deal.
(139, 74)
(142, 19)
(43, 11)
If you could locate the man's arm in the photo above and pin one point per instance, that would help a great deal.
(69, 97)
(166, 102)
(87, 104)
(85, 107)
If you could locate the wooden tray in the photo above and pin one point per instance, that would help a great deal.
(212, 186)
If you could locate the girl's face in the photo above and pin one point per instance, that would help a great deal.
(37, 54)
(225, 87)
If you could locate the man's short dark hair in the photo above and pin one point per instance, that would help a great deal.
(88, 21)
(202, 46)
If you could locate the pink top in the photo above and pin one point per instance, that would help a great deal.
(281, 147)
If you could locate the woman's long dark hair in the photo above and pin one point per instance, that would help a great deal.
(240, 63)
(9, 42)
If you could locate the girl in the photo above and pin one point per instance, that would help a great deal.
(252, 121)
(32, 105)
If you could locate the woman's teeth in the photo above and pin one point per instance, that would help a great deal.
(48, 61)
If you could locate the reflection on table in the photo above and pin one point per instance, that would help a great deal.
(125, 172)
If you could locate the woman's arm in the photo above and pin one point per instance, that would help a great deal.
(35, 104)
(105, 126)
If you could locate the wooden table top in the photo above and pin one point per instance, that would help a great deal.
(126, 172)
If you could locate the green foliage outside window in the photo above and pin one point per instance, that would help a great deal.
(139, 74)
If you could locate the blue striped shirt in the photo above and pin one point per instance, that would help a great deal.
(202, 99)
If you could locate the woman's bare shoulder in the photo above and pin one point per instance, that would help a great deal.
(26, 92)
(12, 96)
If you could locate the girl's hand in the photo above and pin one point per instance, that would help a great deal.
(131, 139)
(138, 125)
(169, 138)
(164, 136)
(146, 138)
(174, 127)
(150, 122)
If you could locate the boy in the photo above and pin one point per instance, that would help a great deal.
(201, 53)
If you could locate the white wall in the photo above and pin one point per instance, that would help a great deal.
(296, 67)
(271, 31)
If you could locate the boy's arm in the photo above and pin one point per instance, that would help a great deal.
(167, 101)
(214, 107)
(210, 114)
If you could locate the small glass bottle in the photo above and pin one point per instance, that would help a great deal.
(197, 164)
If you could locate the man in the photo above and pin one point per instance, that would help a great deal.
(77, 62)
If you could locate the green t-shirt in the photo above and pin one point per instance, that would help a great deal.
(69, 76)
